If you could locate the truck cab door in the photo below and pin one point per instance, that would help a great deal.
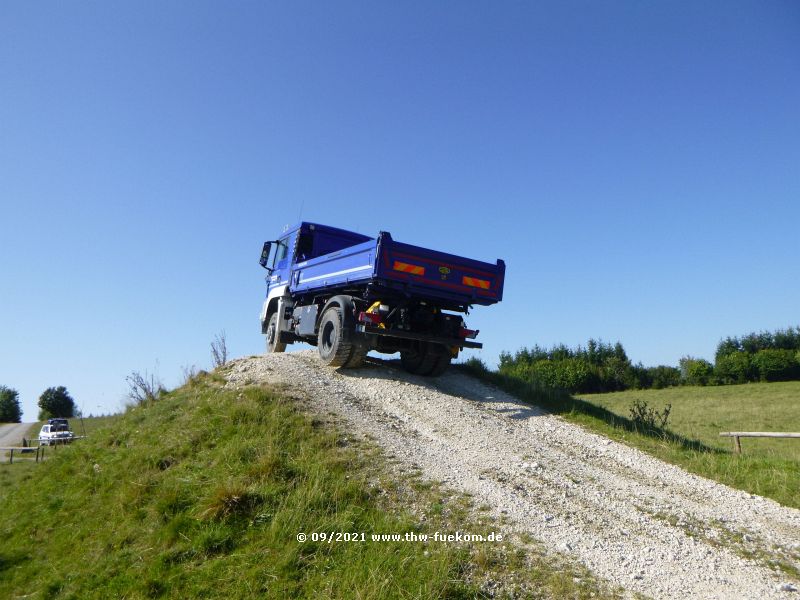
(281, 263)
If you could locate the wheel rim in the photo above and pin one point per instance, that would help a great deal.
(328, 337)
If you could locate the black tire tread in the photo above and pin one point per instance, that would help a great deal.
(277, 345)
(357, 357)
(429, 361)
(344, 348)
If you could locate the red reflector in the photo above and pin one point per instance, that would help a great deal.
(475, 282)
(407, 268)
(368, 317)
(469, 333)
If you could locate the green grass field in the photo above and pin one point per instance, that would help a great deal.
(701, 413)
(768, 468)
(203, 492)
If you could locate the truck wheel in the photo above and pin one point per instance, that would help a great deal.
(412, 360)
(333, 343)
(273, 338)
(441, 363)
(429, 360)
(357, 358)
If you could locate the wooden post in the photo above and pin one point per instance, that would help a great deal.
(737, 445)
(11, 457)
(37, 454)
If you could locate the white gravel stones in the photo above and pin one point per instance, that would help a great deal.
(640, 523)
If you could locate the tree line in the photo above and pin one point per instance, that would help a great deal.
(602, 367)
(55, 402)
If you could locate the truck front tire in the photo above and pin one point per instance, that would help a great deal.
(274, 343)
(333, 341)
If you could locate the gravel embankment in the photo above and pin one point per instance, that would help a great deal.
(634, 520)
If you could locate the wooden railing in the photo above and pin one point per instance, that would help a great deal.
(736, 435)
(39, 450)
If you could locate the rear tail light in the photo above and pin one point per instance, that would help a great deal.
(368, 317)
(469, 333)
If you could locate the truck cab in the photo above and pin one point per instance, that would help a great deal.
(300, 244)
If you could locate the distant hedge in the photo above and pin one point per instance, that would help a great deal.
(602, 367)
(763, 356)
(599, 367)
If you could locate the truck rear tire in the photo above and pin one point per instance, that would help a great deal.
(274, 343)
(440, 364)
(333, 341)
(357, 357)
(429, 360)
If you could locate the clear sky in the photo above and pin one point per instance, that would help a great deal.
(636, 164)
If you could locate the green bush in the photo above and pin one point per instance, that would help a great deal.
(599, 367)
(696, 371)
(647, 419)
(663, 376)
(776, 365)
(736, 367)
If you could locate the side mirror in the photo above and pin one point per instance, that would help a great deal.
(265, 255)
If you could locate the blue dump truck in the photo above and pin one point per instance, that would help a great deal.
(348, 293)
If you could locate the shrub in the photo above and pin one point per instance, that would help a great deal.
(569, 374)
(776, 365)
(599, 367)
(696, 371)
(219, 350)
(144, 389)
(735, 367)
(476, 365)
(648, 419)
(663, 376)
(639, 377)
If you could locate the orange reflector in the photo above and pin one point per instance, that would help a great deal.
(407, 268)
(475, 282)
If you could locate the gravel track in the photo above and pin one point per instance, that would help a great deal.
(634, 520)
(11, 434)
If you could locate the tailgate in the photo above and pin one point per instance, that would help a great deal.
(442, 275)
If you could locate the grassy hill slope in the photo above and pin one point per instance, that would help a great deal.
(202, 494)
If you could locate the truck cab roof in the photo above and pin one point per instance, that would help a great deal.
(313, 239)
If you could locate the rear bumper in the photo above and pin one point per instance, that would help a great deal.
(422, 337)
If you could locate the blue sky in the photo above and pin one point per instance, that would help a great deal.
(637, 165)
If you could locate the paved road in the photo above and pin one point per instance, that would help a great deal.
(11, 434)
